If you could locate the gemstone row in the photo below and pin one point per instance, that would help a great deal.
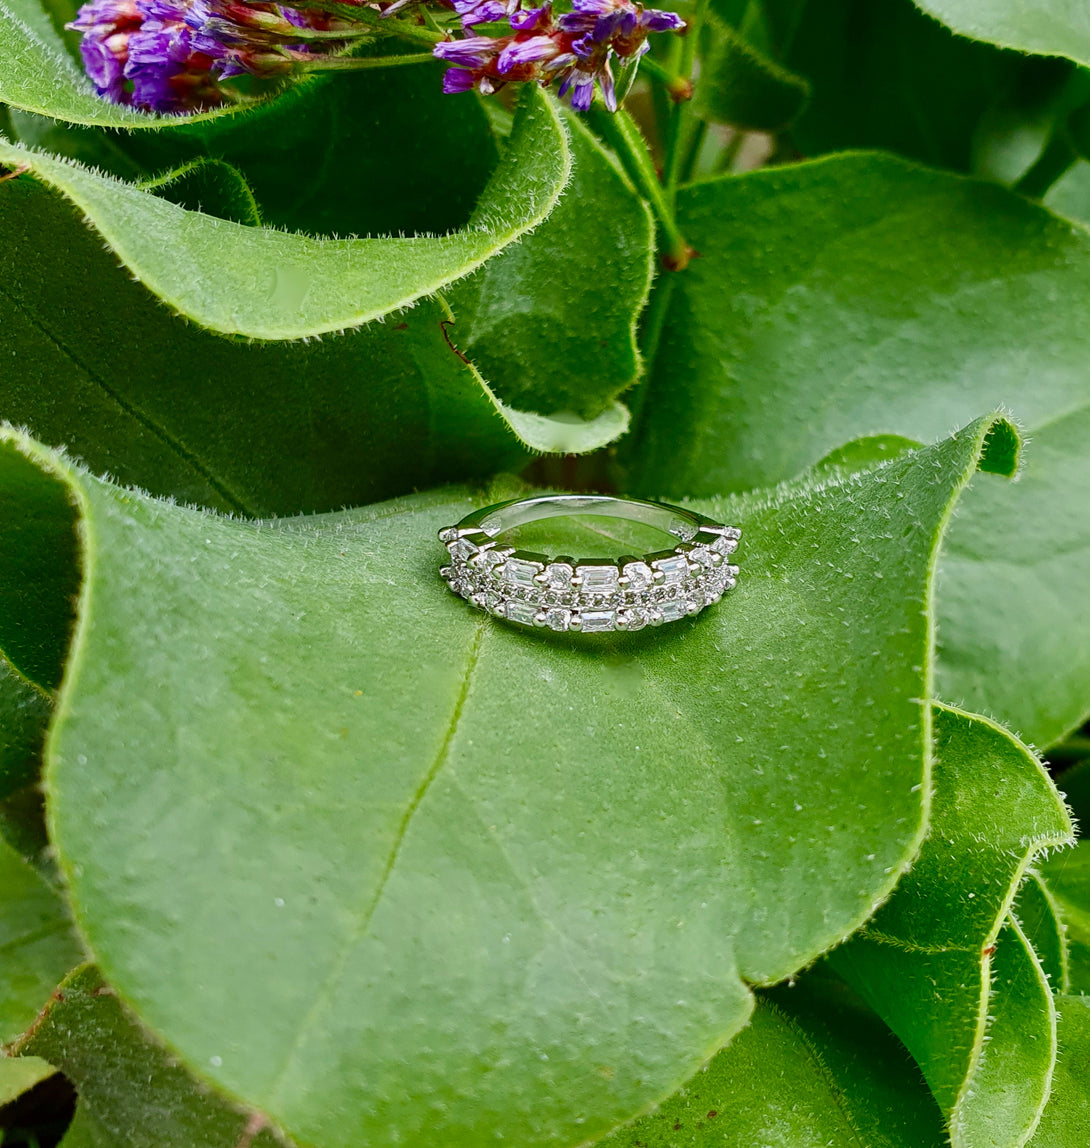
(591, 596)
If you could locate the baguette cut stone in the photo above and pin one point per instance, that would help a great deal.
(672, 611)
(598, 579)
(519, 611)
(673, 570)
(597, 621)
(521, 573)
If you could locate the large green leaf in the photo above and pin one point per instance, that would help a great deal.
(37, 946)
(1067, 878)
(909, 300)
(814, 1069)
(493, 883)
(886, 76)
(269, 284)
(1067, 1116)
(38, 74)
(267, 429)
(131, 1091)
(970, 1001)
(1051, 27)
(20, 1074)
(551, 321)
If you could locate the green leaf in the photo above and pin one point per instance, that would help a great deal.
(1067, 1116)
(814, 1069)
(37, 945)
(1048, 27)
(908, 302)
(365, 153)
(39, 75)
(24, 711)
(741, 86)
(1038, 913)
(1067, 878)
(131, 1091)
(19, 1074)
(269, 284)
(309, 688)
(551, 321)
(211, 186)
(273, 429)
(943, 963)
(886, 76)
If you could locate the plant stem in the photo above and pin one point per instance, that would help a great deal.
(355, 63)
(627, 140)
(1057, 159)
(681, 125)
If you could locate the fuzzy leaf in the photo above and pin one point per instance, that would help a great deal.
(814, 1069)
(741, 86)
(908, 300)
(131, 1091)
(37, 945)
(1049, 27)
(1067, 1116)
(551, 321)
(1067, 878)
(272, 429)
(268, 284)
(19, 1074)
(309, 687)
(887, 76)
(970, 1001)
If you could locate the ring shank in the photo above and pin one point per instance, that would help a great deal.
(504, 516)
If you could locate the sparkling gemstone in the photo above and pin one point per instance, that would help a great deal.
(461, 549)
(595, 621)
(598, 579)
(557, 618)
(558, 576)
(448, 534)
(725, 544)
(519, 572)
(639, 576)
(702, 556)
(672, 611)
(524, 612)
(485, 559)
(637, 618)
(674, 569)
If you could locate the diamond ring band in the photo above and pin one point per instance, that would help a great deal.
(593, 594)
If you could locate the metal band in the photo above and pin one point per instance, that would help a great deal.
(592, 594)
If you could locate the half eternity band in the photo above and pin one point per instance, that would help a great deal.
(592, 594)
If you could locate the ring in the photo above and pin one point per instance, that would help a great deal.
(593, 594)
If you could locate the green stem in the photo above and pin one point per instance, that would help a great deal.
(677, 85)
(626, 139)
(1057, 159)
(355, 63)
(681, 126)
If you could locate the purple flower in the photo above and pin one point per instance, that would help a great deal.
(535, 50)
(457, 80)
(475, 12)
(472, 52)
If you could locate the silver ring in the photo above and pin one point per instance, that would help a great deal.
(591, 595)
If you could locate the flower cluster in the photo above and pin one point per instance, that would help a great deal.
(576, 48)
(169, 55)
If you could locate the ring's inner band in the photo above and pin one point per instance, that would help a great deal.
(495, 520)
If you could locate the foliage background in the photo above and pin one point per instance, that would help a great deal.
(295, 848)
